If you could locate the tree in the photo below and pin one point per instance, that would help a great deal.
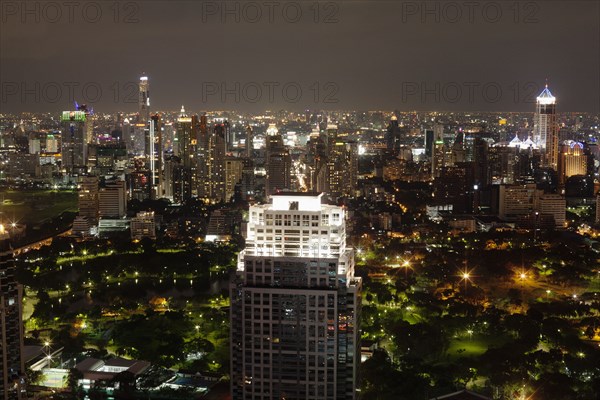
(73, 378)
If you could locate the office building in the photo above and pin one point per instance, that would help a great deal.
(553, 205)
(112, 200)
(516, 200)
(143, 225)
(88, 198)
(295, 304)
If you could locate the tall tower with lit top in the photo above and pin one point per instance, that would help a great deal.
(545, 129)
(144, 100)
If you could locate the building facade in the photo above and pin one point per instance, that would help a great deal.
(11, 328)
(295, 304)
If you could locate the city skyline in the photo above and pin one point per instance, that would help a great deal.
(300, 200)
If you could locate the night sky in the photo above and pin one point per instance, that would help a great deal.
(365, 55)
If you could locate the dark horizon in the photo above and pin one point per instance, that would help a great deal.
(357, 56)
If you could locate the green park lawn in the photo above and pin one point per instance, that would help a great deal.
(33, 207)
(464, 347)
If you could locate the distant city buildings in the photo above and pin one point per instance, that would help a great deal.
(221, 156)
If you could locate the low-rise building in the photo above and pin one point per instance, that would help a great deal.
(143, 225)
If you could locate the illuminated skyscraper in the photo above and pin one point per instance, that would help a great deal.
(545, 129)
(144, 100)
(155, 155)
(187, 140)
(438, 151)
(75, 137)
(342, 168)
(295, 304)
(12, 367)
(572, 161)
(203, 170)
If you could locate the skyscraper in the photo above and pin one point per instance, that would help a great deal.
(155, 155)
(572, 161)
(438, 151)
(218, 150)
(203, 170)
(12, 367)
(545, 128)
(342, 168)
(187, 140)
(74, 141)
(144, 100)
(278, 163)
(233, 175)
(249, 143)
(295, 304)
(393, 135)
(88, 198)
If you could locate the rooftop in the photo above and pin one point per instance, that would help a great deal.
(462, 395)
